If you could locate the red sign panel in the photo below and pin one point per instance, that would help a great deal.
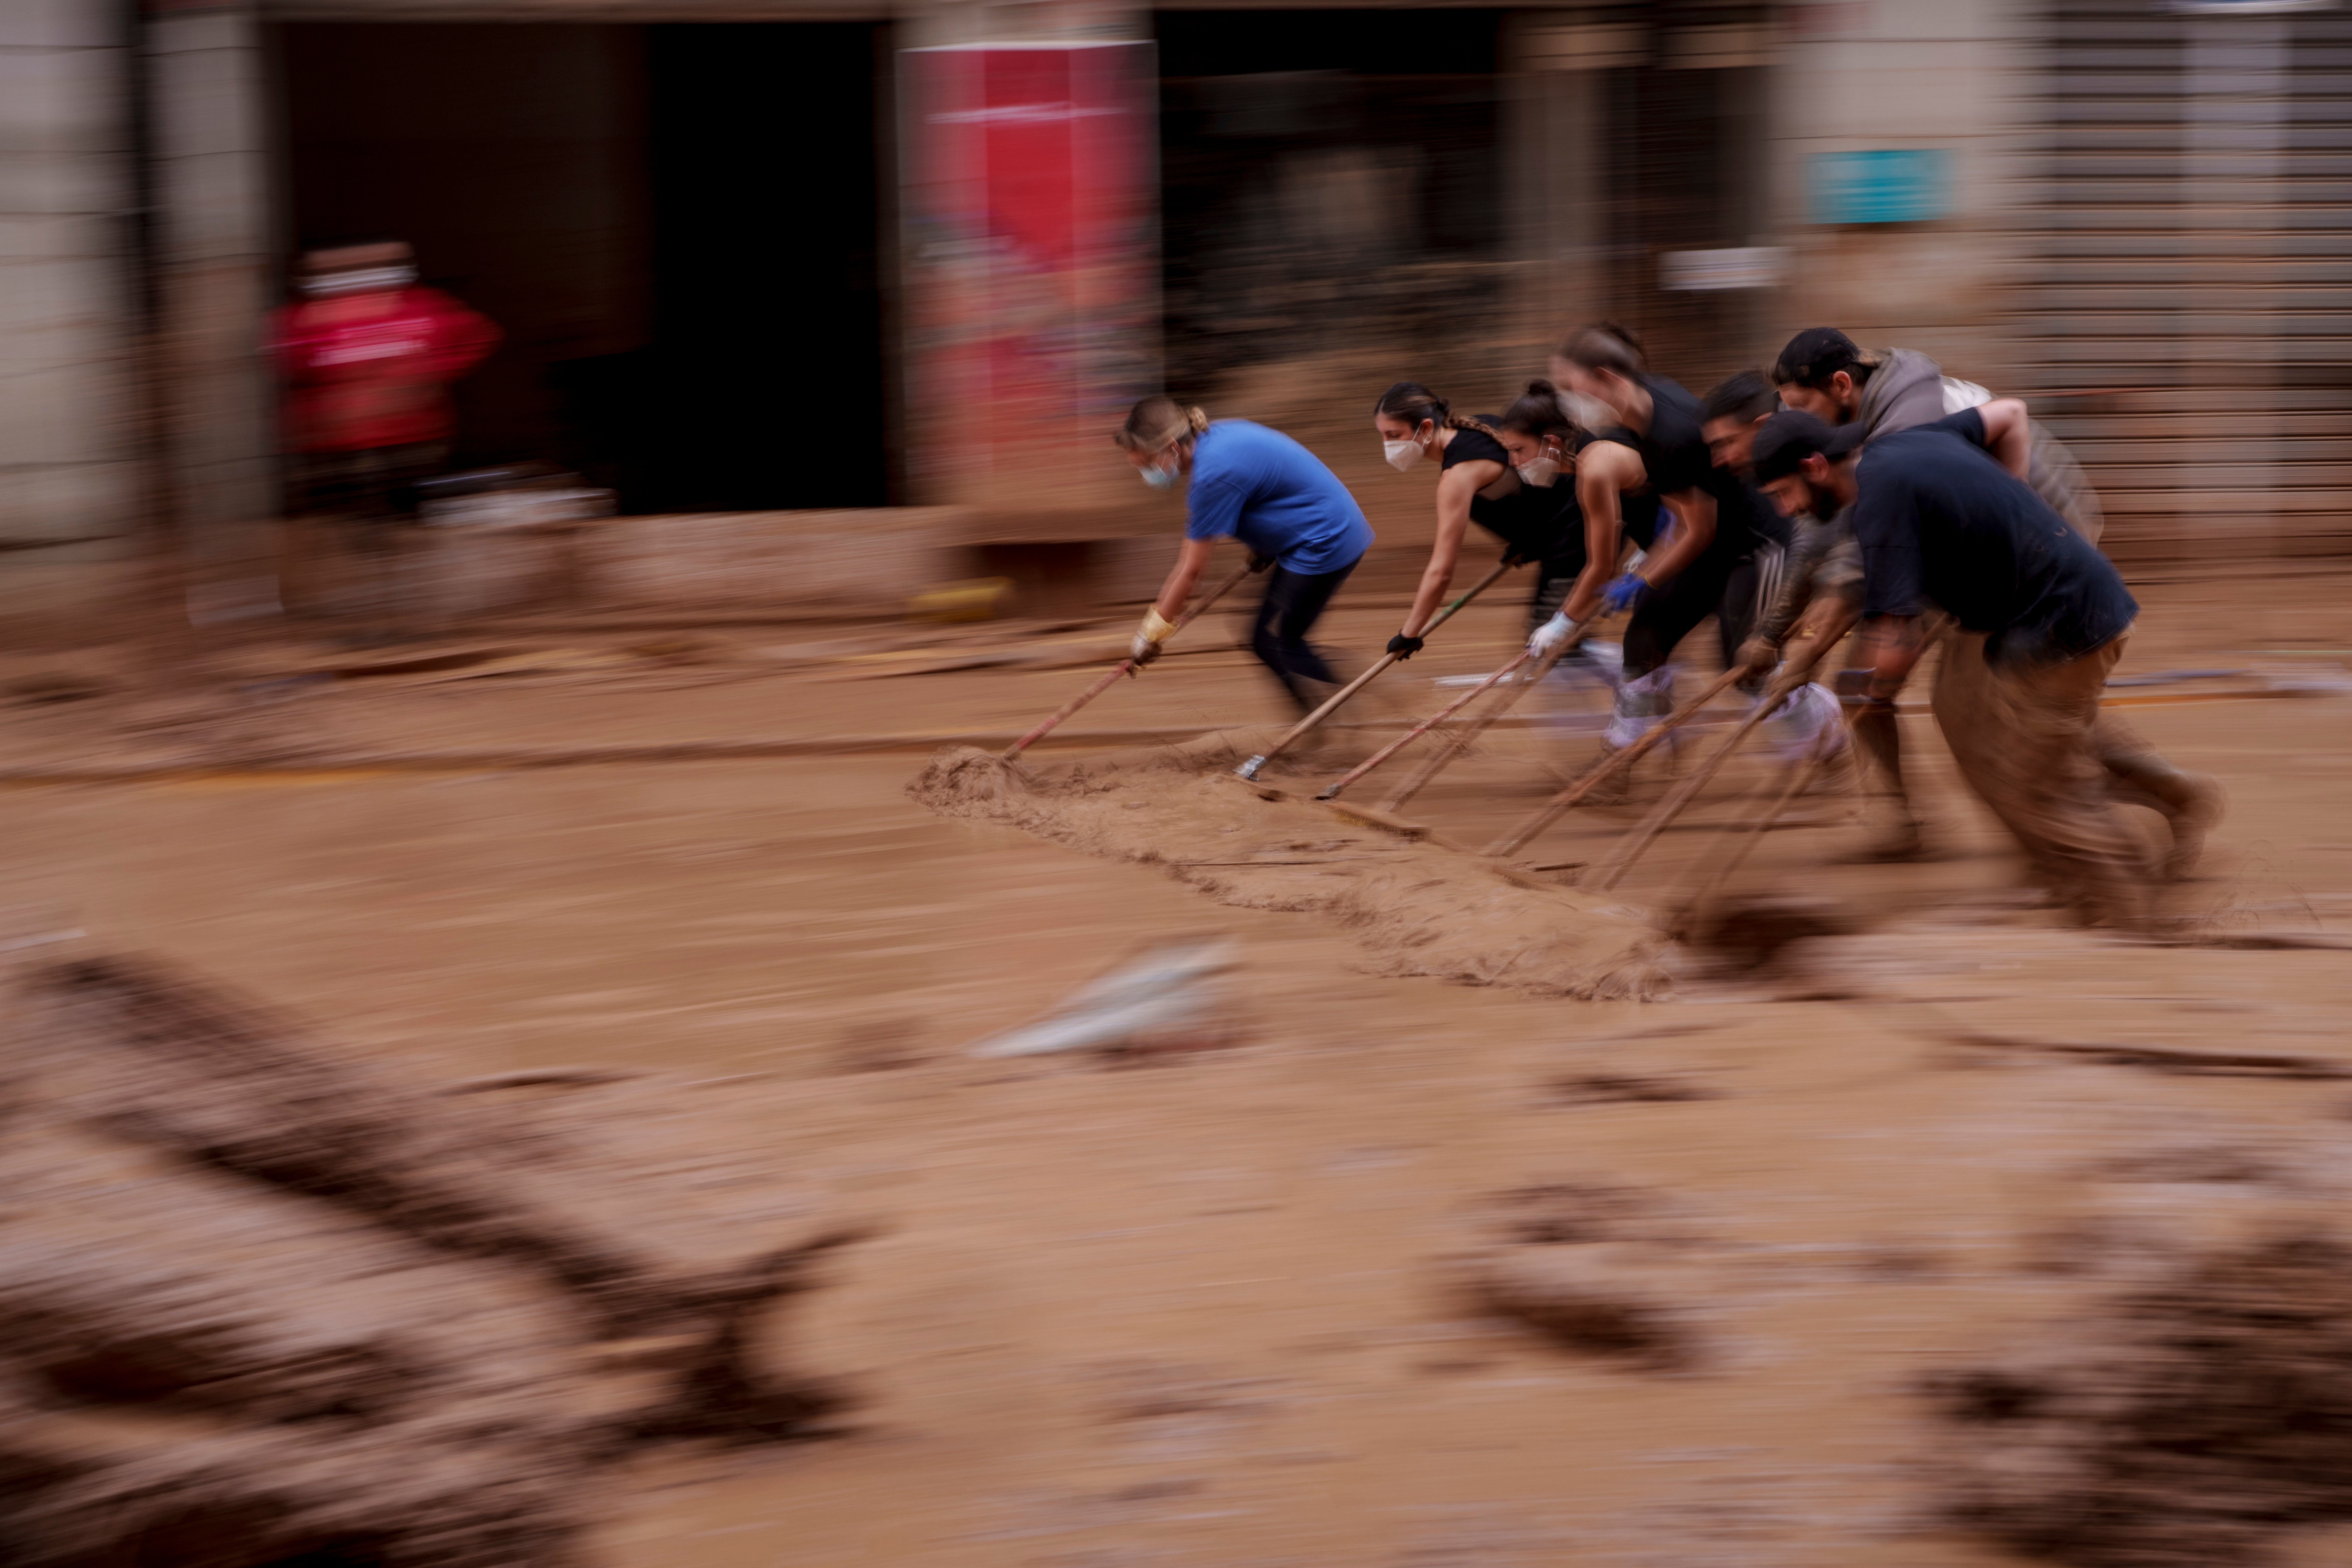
(1031, 237)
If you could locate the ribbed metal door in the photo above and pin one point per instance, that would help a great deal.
(2186, 318)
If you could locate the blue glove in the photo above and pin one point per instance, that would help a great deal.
(1624, 592)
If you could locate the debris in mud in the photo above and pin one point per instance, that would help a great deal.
(1417, 909)
(2200, 1418)
(1594, 1267)
(1172, 998)
(1623, 1089)
(1745, 934)
(264, 1307)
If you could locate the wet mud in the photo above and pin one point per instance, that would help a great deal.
(1414, 908)
(266, 1306)
(2202, 1416)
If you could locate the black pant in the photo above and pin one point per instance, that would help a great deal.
(1721, 585)
(1294, 602)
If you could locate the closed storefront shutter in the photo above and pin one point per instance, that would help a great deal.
(2185, 309)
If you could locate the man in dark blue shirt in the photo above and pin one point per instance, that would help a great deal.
(1944, 523)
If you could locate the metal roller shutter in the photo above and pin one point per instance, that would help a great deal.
(2186, 312)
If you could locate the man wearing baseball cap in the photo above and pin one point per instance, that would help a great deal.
(1943, 522)
(1823, 374)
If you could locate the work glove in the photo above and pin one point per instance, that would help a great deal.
(1624, 592)
(1144, 647)
(1551, 636)
(1259, 562)
(1404, 647)
(1758, 654)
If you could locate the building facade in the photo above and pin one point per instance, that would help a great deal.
(770, 254)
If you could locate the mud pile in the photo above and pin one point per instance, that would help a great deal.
(1416, 908)
(2197, 1418)
(1595, 1267)
(263, 1307)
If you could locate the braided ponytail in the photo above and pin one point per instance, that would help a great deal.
(1413, 403)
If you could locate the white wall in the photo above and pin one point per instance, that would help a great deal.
(1959, 75)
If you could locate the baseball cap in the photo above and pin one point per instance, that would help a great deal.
(1788, 438)
(1813, 355)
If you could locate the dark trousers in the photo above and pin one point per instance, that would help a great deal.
(1294, 602)
(1724, 586)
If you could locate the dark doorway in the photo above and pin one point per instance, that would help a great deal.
(767, 309)
(675, 226)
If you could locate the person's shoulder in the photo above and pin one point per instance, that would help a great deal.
(1891, 451)
(1470, 446)
(1668, 393)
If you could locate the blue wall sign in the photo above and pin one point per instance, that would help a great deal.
(1898, 186)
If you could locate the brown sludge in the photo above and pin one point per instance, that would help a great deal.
(2196, 1419)
(1596, 1268)
(264, 1307)
(1417, 909)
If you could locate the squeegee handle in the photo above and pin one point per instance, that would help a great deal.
(1340, 695)
(1458, 742)
(1331, 791)
(1615, 762)
(1610, 874)
(1124, 667)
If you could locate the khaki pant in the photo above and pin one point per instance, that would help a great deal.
(2031, 743)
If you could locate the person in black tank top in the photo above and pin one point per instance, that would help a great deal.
(1541, 520)
(1708, 564)
(1415, 424)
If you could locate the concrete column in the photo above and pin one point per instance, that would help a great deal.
(206, 85)
(1877, 75)
(1028, 261)
(1553, 64)
(67, 441)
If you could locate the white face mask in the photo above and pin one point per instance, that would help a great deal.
(1403, 454)
(1158, 476)
(1539, 473)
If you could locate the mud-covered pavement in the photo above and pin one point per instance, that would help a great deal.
(1410, 1271)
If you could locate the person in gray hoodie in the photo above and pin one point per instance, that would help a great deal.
(1823, 374)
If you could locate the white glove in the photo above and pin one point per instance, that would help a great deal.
(1553, 635)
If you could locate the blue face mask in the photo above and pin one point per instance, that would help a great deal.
(1158, 478)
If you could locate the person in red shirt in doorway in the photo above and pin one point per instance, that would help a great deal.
(368, 356)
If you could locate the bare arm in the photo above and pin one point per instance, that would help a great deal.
(1190, 560)
(1604, 471)
(1891, 645)
(2008, 436)
(1456, 486)
(1694, 515)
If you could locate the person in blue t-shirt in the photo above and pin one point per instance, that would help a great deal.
(1276, 497)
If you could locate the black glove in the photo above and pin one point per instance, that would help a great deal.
(1404, 647)
(1259, 562)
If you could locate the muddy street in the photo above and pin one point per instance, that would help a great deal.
(1395, 1259)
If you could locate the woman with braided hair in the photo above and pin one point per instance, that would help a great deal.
(1276, 497)
(1414, 423)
